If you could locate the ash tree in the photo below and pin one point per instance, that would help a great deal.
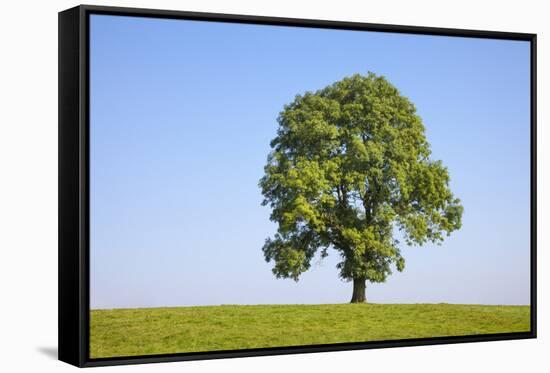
(350, 169)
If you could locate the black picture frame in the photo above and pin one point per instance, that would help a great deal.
(74, 191)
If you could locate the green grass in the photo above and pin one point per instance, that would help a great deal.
(127, 332)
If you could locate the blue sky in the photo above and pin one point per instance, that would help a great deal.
(182, 113)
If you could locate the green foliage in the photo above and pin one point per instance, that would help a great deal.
(144, 331)
(351, 164)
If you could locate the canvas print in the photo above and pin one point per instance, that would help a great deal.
(257, 186)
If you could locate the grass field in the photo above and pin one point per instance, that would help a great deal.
(127, 332)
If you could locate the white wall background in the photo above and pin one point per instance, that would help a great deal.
(28, 184)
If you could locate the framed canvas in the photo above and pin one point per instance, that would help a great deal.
(235, 186)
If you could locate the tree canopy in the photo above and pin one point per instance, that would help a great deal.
(349, 167)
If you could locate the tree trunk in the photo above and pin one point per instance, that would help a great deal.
(359, 296)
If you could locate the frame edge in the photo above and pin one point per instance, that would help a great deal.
(306, 22)
(533, 92)
(70, 281)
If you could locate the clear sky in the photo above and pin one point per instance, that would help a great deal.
(182, 113)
